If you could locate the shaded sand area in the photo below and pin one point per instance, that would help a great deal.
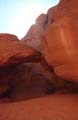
(52, 107)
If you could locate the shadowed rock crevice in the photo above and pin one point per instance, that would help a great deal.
(25, 81)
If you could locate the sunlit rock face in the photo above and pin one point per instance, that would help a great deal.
(12, 51)
(65, 8)
(34, 37)
(61, 40)
(55, 36)
(38, 27)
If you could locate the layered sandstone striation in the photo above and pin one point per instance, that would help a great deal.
(12, 51)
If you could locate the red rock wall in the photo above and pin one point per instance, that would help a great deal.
(61, 38)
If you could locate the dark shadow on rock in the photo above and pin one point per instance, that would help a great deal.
(25, 82)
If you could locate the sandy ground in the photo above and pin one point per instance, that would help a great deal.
(53, 107)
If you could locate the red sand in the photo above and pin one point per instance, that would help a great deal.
(53, 107)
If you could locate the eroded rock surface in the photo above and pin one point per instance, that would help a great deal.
(12, 51)
(51, 43)
(34, 36)
(61, 40)
(55, 36)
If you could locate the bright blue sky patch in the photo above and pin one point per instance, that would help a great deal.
(16, 16)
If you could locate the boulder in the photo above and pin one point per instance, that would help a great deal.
(13, 52)
(61, 45)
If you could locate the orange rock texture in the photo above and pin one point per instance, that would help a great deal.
(44, 62)
(61, 40)
(20, 78)
(12, 53)
(55, 36)
(56, 107)
(34, 36)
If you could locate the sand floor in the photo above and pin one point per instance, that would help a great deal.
(52, 107)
